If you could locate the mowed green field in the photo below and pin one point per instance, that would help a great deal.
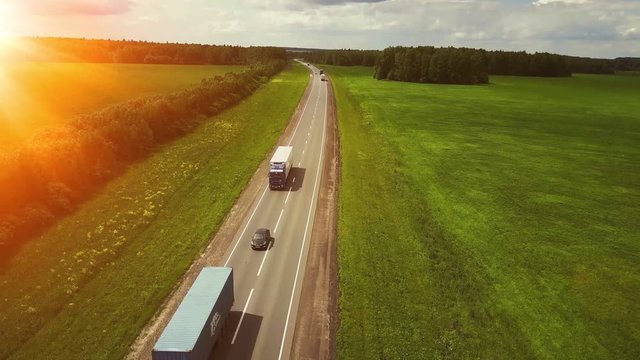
(489, 222)
(34, 95)
(85, 289)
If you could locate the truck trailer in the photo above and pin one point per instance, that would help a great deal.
(200, 320)
(279, 167)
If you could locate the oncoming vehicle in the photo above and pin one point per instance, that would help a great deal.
(261, 239)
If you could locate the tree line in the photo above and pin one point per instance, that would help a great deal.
(428, 64)
(587, 65)
(59, 167)
(138, 52)
(450, 65)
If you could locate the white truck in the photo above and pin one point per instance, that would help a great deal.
(280, 166)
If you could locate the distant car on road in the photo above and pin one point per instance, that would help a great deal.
(261, 239)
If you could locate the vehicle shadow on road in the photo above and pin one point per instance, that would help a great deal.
(246, 339)
(295, 179)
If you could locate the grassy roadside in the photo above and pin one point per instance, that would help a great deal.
(488, 221)
(85, 288)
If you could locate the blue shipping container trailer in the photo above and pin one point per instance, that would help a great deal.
(199, 321)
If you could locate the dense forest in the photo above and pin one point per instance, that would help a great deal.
(450, 65)
(61, 166)
(138, 52)
(521, 63)
(602, 66)
(428, 64)
(463, 65)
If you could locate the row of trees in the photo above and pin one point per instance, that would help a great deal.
(139, 52)
(463, 65)
(586, 65)
(602, 66)
(521, 63)
(428, 64)
(59, 167)
(627, 64)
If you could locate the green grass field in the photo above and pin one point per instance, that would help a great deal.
(85, 289)
(39, 94)
(489, 222)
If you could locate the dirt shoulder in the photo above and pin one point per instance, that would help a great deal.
(317, 320)
(213, 254)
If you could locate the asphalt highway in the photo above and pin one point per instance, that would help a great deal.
(267, 283)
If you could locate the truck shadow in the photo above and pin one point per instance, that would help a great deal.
(295, 179)
(246, 339)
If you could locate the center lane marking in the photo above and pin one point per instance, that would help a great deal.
(244, 311)
(263, 259)
(246, 226)
(285, 200)
(301, 115)
(278, 222)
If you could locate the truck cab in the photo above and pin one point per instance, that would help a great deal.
(277, 176)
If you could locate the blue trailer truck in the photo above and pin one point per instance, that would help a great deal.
(200, 319)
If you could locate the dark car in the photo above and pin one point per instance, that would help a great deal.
(261, 239)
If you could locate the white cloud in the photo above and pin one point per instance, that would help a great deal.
(568, 2)
(599, 28)
(631, 33)
(77, 7)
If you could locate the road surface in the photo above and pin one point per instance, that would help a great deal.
(267, 283)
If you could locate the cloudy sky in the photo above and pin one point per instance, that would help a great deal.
(596, 28)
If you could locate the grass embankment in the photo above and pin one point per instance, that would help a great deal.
(492, 222)
(40, 94)
(85, 289)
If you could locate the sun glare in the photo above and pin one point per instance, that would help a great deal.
(6, 23)
(6, 19)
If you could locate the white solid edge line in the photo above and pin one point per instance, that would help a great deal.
(242, 317)
(245, 227)
(304, 238)
(278, 222)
